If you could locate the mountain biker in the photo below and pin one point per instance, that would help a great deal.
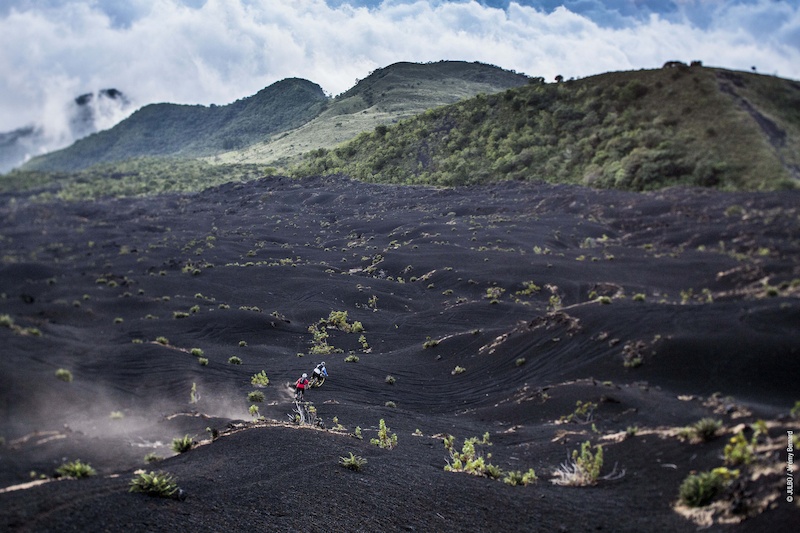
(320, 371)
(300, 387)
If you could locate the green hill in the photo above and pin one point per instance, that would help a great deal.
(189, 131)
(283, 120)
(387, 95)
(638, 130)
(454, 123)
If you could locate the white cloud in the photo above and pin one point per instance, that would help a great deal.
(221, 50)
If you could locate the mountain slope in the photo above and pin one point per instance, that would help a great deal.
(387, 95)
(283, 120)
(641, 130)
(192, 131)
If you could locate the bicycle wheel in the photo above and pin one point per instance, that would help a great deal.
(317, 382)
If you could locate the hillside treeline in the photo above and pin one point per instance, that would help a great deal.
(642, 130)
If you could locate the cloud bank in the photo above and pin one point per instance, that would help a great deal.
(217, 51)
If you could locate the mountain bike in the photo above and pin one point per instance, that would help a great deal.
(316, 382)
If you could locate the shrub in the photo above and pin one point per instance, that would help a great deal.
(64, 375)
(706, 429)
(638, 297)
(430, 343)
(357, 433)
(583, 412)
(76, 469)
(515, 477)
(234, 360)
(390, 404)
(385, 439)
(351, 359)
(197, 352)
(583, 468)
(468, 459)
(162, 340)
(182, 444)
(159, 484)
(458, 370)
(203, 361)
(255, 397)
(260, 379)
(698, 490)
(6, 321)
(390, 380)
(353, 462)
(152, 457)
(520, 361)
(242, 344)
(738, 451)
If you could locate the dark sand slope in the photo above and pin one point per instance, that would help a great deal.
(540, 293)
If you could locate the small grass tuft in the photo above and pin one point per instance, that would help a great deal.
(182, 444)
(353, 462)
(158, 484)
(75, 469)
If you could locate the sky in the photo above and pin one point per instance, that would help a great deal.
(218, 51)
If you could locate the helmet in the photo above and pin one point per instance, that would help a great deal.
(305, 375)
(323, 363)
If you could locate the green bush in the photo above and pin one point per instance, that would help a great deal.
(260, 379)
(386, 439)
(75, 469)
(234, 360)
(158, 484)
(515, 477)
(182, 444)
(152, 457)
(706, 429)
(255, 397)
(739, 451)
(353, 462)
(698, 490)
(468, 459)
(197, 352)
(64, 375)
(430, 343)
(584, 467)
